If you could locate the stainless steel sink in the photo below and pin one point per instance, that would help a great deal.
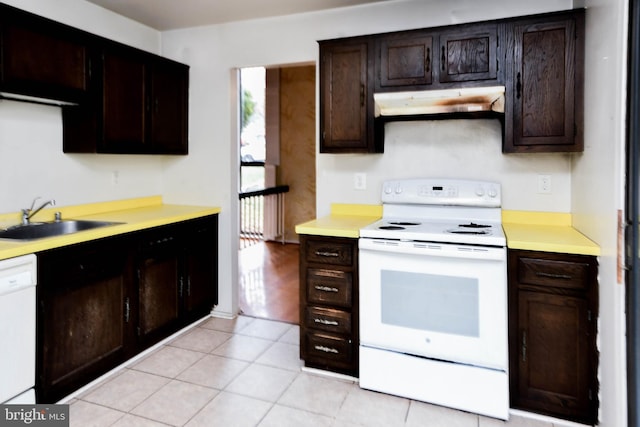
(51, 229)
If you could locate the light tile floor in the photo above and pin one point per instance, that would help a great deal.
(247, 372)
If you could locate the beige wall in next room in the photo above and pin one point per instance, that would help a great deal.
(297, 145)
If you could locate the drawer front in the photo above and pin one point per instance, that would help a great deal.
(556, 273)
(332, 287)
(329, 252)
(326, 319)
(329, 348)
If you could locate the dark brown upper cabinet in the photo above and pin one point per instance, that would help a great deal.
(116, 99)
(468, 54)
(539, 59)
(404, 60)
(41, 58)
(346, 96)
(124, 102)
(140, 106)
(544, 84)
(437, 57)
(169, 106)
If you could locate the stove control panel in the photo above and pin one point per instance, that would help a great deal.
(453, 192)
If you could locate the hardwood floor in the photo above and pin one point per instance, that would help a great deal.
(269, 281)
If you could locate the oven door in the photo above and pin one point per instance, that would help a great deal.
(441, 301)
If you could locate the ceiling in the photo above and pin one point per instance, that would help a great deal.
(173, 14)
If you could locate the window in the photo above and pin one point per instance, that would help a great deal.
(252, 134)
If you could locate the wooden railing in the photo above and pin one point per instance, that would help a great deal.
(262, 215)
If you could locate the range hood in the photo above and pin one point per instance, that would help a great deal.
(34, 99)
(446, 101)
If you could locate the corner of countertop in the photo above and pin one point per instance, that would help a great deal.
(345, 220)
(546, 232)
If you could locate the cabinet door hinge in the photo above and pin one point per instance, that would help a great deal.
(181, 286)
(589, 315)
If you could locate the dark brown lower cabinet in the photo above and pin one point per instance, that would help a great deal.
(329, 335)
(159, 285)
(200, 271)
(84, 324)
(553, 307)
(103, 301)
(177, 273)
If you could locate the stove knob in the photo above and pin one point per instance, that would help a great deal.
(493, 192)
(398, 190)
(388, 190)
(479, 191)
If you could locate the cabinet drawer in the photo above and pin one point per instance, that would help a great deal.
(327, 319)
(329, 252)
(329, 348)
(556, 273)
(333, 287)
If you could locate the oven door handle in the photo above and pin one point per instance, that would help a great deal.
(433, 249)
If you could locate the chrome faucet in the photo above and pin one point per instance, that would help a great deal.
(27, 214)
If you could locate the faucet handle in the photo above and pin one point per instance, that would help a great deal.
(33, 204)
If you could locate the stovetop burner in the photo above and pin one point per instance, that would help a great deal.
(463, 231)
(405, 223)
(474, 225)
(391, 227)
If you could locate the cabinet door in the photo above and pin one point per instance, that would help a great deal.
(159, 288)
(405, 60)
(545, 83)
(345, 98)
(169, 97)
(553, 356)
(124, 103)
(469, 54)
(84, 322)
(42, 59)
(201, 292)
(554, 371)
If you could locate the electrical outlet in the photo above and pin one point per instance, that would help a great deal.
(360, 181)
(115, 177)
(544, 184)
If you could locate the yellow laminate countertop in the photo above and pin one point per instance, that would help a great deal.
(344, 221)
(133, 214)
(536, 231)
(547, 232)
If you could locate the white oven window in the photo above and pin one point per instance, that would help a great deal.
(430, 302)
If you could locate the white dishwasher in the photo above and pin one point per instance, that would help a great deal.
(18, 278)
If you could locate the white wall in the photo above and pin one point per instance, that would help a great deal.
(468, 149)
(598, 187)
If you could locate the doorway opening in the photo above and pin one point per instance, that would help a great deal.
(277, 185)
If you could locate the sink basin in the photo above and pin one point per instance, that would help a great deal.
(51, 229)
